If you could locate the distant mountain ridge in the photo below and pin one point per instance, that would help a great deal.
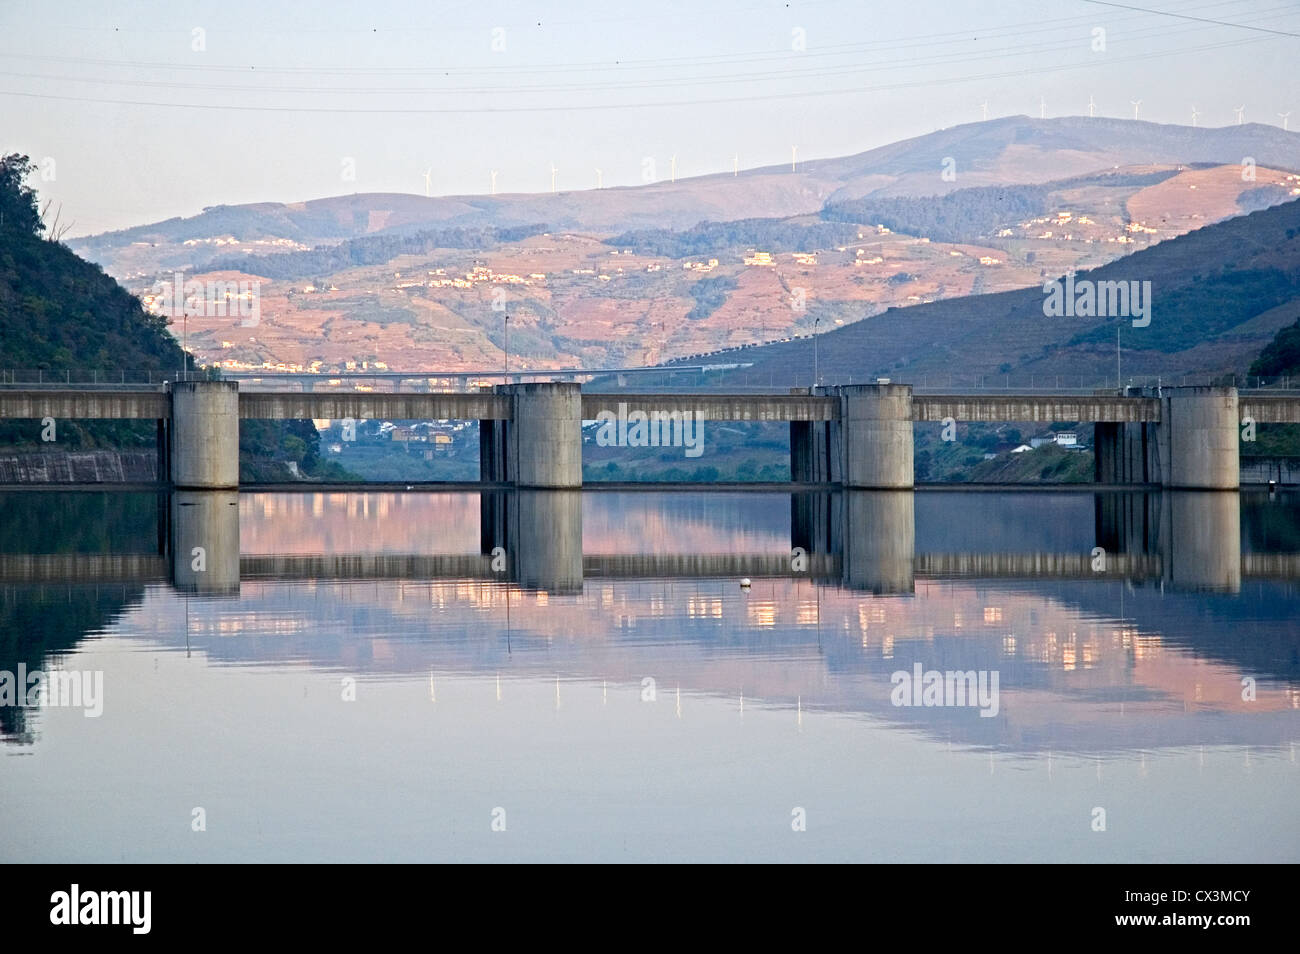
(1014, 150)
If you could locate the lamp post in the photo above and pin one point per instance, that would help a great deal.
(506, 348)
(817, 378)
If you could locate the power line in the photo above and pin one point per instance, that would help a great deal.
(586, 107)
(937, 59)
(1185, 16)
(747, 77)
(843, 49)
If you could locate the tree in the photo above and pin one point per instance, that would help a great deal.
(1281, 355)
(18, 209)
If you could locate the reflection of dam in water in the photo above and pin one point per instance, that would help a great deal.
(860, 540)
(880, 542)
(614, 587)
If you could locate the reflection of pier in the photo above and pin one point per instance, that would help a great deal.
(859, 540)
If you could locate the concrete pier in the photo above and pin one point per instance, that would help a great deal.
(544, 436)
(205, 435)
(1199, 438)
(1127, 452)
(876, 434)
(205, 542)
(815, 446)
(1113, 461)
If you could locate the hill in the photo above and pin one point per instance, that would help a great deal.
(1218, 296)
(1015, 150)
(643, 275)
(59, 311)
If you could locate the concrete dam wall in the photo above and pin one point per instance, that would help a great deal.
(80, 467)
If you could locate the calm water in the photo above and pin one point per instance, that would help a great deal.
(358, 677)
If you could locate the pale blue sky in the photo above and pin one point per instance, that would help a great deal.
(142, 126)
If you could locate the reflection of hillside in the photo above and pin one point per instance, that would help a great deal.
(449, 523)
(53, 521)
(685, 523)
(358, 523)
(1092, 664)
(39, 624)
(1069, 680)
(1258, 633)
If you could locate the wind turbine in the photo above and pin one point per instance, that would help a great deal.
(1137, 107)
(1092, 107)
(1194, 115)
(1042, 107)
(493, 173)
(553, 172)
(794, 150)
(1241, 114)
(672, 171)
(1283, 117)
(985, 107)
(427, 174)
(735, 164)
(600, 179)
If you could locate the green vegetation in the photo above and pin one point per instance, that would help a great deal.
(710, 294)
(962, 459)
(972, 215)
(371, 250)
(1047, 464)
(735, 451)
(266, 448)
(966, 215)
(372, 454)
(1262, 197)
(710, 238)
(1280, 358)
(1207, 306)
(59, 312)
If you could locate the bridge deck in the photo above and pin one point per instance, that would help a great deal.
(72, 404)
(1047, 408)
(154, 403)
(283, 405)
(718, 407)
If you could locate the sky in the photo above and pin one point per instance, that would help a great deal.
(141, 111)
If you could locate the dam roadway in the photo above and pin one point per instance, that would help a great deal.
(854, 436)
